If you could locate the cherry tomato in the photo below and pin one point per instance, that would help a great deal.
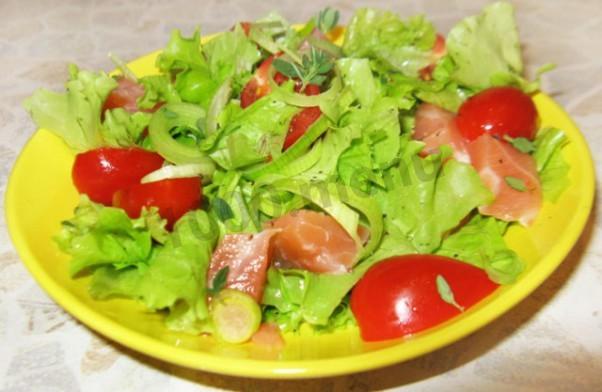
(300, 124)
(173, 197)
(124, 95)
(259, 85)
(399, 296)
(499, 111)
(101, 172)
(302, 120)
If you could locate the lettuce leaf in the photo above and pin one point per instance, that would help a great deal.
(254, 134)
(356, 166)
(486, 47)
(379, 128)
(121, 128)
(74, 115)
(357, 75)
(99, 235)
(231, 55)
(174, 278)
(200, 71)
(157, 89)
(402, 46)
(481, 243)
(182, 53)
(289, 300)
(552, 167)
(229, 199)
(425, 198)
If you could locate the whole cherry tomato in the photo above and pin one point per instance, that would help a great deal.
(498, 111)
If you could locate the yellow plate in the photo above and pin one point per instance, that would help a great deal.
(40, 195)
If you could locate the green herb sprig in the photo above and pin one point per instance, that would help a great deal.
(327, 19)
(313, 69)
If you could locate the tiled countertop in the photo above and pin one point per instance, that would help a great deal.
(551, 341)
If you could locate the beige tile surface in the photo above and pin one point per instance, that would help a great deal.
(551, 341)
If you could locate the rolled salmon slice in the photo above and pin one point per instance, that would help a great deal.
(436, 127)
(500, 166)
(247, 257)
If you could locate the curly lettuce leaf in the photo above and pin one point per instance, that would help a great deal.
(182, 53)
(229, 203)
(157, 89)
(486, 47)
(357, 75)
(74, 115)
(254, 134)
(379, 128)
(121, 128)
(481, 243)
(290, 299)
(97, 235)
(425, 198)
(200, 71)
(231, 55)
(173, 279)
(402, 46)
(442, 90)
(552, 167)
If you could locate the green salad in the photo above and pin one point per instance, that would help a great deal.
(261, 177)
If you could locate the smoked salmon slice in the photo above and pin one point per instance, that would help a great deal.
(313, 241)
(247, 257)
(436, 127)
(501, 166)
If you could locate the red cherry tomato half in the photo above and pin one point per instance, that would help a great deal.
(499, 111)
(259, 85)
(173, 197)
(399, 296)
(301, 122)
(101, 172)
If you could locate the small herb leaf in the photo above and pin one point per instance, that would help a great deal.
(516, 183)
(318, 79)
(327, 19)
(313, 67)
(446, 293)
(219, 281)
(521, 144)
(285, 68)
(222, 209)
